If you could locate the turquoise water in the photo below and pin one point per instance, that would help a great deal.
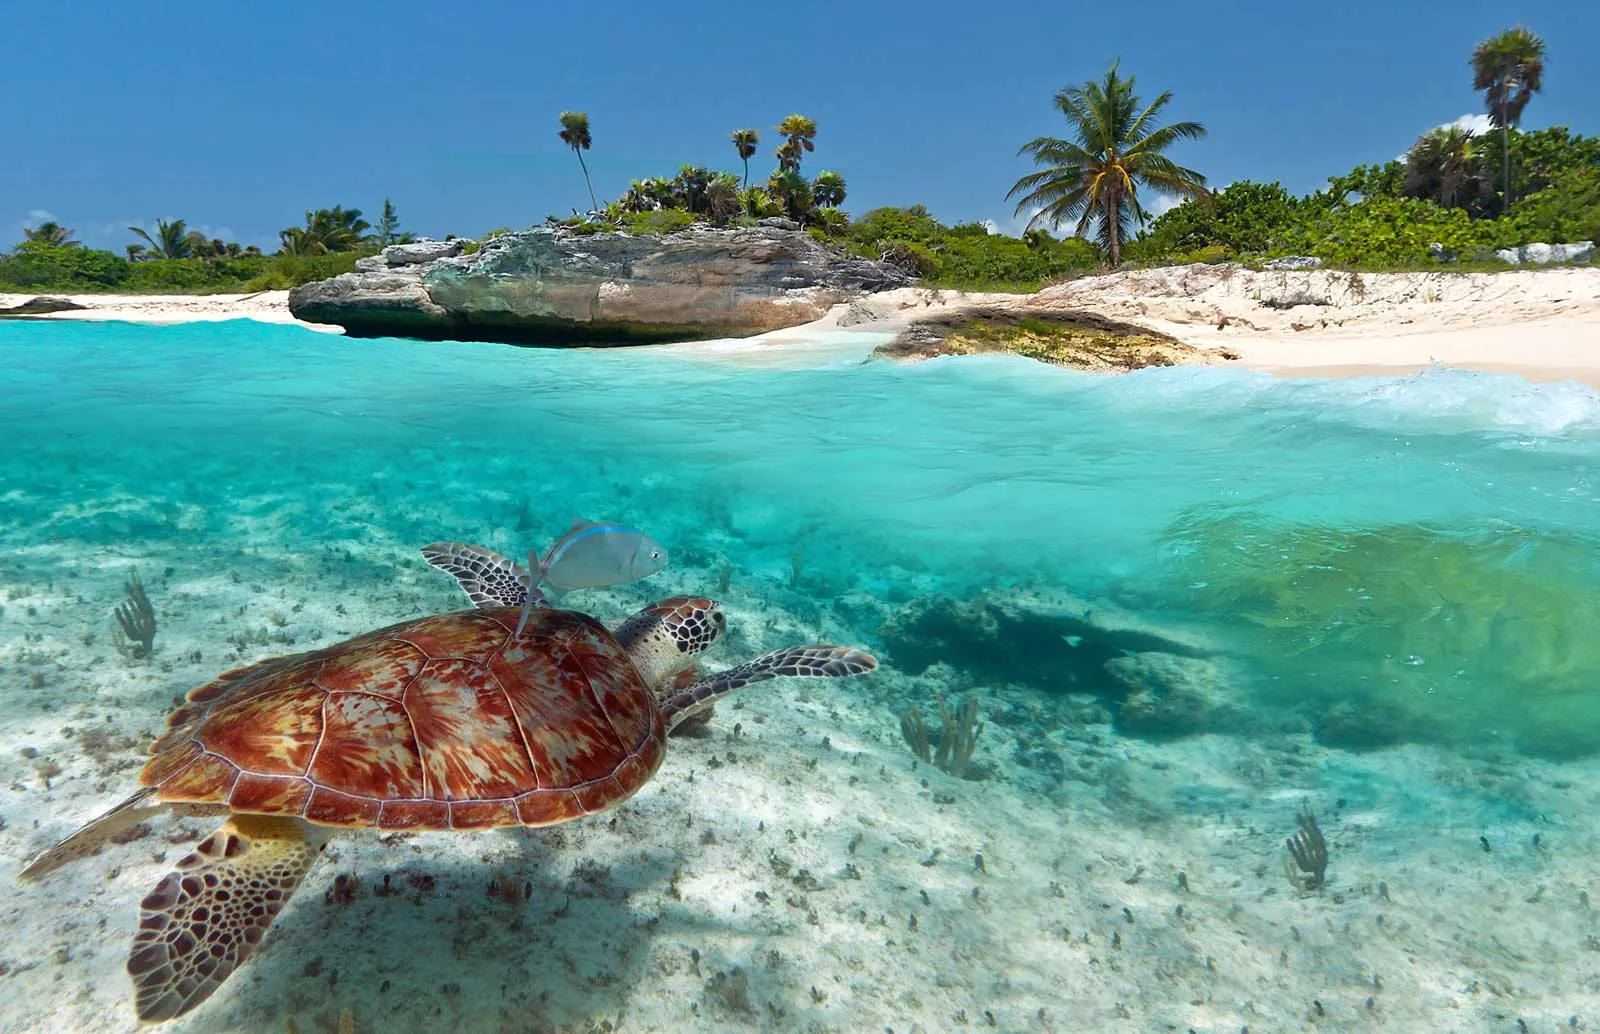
(1377, 562)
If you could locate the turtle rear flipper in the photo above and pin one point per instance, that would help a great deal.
(488, 579)
(86, 840)
(819, 661)
(208, 914)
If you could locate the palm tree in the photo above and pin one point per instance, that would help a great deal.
(690, 185)
(171, 240)
(327, 229)
(637, 198)
(1115, 149)
(798, 132)
(50, 233)
(1509, 69)
(1447, 166)
(790, 189)
(722, 197)
(575, 133)
(745, 141)
(299, 240)
(827, 190)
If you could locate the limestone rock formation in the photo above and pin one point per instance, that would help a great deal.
(554, 286)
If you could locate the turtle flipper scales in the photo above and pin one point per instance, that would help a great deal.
(818, 661)
(208, 914)
(488, 579)
(87, 839)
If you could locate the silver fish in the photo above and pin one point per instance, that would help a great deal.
(595, 554)
(592, 555)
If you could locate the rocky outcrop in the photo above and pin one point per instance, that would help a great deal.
(553, 286)
(1542, 254)
(1079, 340)
(41, 305)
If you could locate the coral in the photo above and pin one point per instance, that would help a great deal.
(1309, 853)
(959, 729)
(1169, 695)
(343, 891)
(136, 622)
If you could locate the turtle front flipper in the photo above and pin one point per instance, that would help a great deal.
(818, 661)
(86, 840)
(488, 579)
(205, 917)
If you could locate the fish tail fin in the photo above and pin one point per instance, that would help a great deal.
(536, 595)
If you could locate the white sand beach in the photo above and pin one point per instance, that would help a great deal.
(1542, 324)
(265, 306)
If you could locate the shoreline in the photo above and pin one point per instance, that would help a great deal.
(1543, 325)
(165, 309)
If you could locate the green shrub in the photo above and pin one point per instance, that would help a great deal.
(282, 272)
(1389, 231)
(1245, 218)
(1566, 212)
(41, 266)
(158, 275)
(910, 256)
(661, 221)
(1210, 255)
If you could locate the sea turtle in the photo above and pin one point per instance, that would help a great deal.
(448, 722)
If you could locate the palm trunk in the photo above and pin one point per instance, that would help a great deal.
(1113, 226)
(1505, 161)
(593, 204)
(747, 174)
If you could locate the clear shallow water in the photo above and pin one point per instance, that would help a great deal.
(1377, 561)
(1189, 491)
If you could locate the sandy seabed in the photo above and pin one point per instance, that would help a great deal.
(796, 869)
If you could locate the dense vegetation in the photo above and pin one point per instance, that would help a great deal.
(964, 255)
(1093, 178)
(171, 258)
(1454, 196)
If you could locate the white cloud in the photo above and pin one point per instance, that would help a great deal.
(990, 225)
(1474, 122)
(1477, 123)
(40, 214)
(1163, 204)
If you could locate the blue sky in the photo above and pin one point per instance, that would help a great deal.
(239, 117)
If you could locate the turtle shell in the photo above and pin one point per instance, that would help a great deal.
(444, 722)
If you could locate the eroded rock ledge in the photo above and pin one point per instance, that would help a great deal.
(551, 286)
(1080, 340)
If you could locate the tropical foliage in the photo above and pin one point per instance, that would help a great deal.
(966, 255)
(1446, 200)
(798, 134)
(50, 233)
(326, 230)
(745, 142)
(1114, 148)
(575, 134)
(1509, 69)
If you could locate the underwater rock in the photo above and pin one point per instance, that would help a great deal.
(1079, 340)
(1364, 725)
(1170, 695)
(552, 286)
(1039, 637)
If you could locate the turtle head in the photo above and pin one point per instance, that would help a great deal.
(665, 637)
